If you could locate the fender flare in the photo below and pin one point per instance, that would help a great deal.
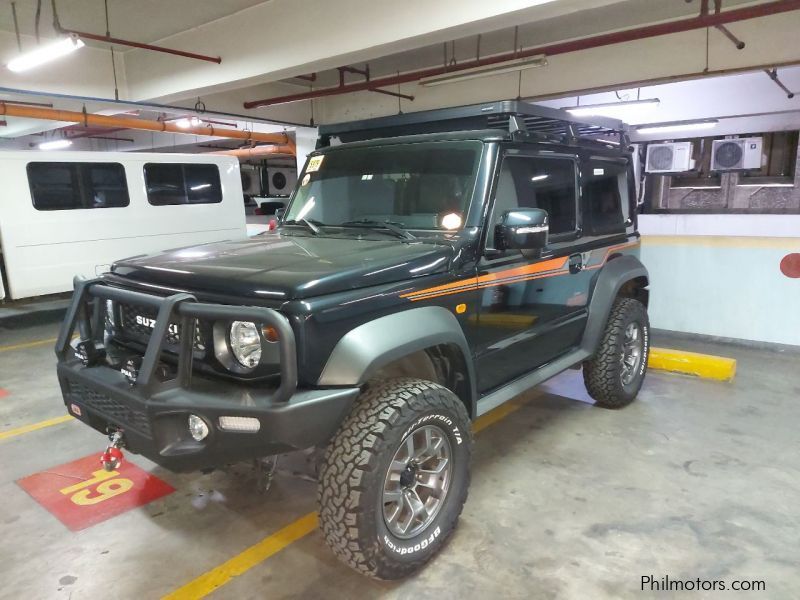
(614, 274)
(364, 350)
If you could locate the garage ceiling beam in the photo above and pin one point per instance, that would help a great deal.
(629, 35)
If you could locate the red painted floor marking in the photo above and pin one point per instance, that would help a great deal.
(4, 393)
(81, 494)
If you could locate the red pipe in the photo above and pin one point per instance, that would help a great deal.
(606, 39)
(112, 40)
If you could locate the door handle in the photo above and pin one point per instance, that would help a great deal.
(575, 263)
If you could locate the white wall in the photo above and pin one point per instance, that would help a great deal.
(723, 286)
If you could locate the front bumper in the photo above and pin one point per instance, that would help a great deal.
(156, 427)
(153, 413)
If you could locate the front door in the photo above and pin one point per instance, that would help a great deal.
(533, 305)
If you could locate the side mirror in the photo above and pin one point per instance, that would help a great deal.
(279, 214)
(523, 229)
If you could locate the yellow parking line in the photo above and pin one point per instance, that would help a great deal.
(256, 554)
(27, 345)
(243, 562)
(493, 416)
(4, 435)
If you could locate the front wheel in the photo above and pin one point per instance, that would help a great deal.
(395, 477)
(615, 373)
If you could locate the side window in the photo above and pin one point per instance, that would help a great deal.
(605, 197)
(174, 183)
(533, 182)
(106, 184)
(71, 186)
(202, 184)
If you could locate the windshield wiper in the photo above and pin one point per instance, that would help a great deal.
(392, 227)
(310, 224)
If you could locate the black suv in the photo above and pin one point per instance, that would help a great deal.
(428, 268)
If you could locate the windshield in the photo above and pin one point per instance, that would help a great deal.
(415, 186)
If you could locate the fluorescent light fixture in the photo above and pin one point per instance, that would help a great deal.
(187, 123)
(508, 66)
(55, 145)
(539, 177)
(677, 126)
(624, 108)
(45, 54)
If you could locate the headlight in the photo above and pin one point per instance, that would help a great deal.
(245, 343)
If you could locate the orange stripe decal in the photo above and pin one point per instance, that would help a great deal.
(548, 265)
(547, 268)
(469, 282)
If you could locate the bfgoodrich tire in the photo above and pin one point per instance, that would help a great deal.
(615, 374)
(395, 477)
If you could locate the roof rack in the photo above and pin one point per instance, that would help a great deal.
(520, 119)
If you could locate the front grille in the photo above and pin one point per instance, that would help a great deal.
(140, 329)
(113, 409)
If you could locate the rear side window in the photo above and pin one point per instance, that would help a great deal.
(605, 196)
(175, 183)
(71, 186)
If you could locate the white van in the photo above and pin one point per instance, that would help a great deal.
(74, 213)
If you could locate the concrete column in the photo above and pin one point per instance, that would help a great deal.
(306, 140)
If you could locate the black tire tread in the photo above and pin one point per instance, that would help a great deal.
(601, 374)
(354, 452)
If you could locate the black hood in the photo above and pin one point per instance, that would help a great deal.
(276, 266)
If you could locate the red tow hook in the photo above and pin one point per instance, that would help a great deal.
(112, 457)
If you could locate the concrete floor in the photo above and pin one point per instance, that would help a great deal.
(696, 479)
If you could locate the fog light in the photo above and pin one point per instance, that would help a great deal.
(240, 424)
(197, 427)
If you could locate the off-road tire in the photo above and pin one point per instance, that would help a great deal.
(352, 475)
(602, 374)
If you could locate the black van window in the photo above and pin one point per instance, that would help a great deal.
(70, 186)
(176, 183)
(605, 194)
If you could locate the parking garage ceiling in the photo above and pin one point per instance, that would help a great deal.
(270, 49)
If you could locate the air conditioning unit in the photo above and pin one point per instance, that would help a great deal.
(251, 180)
(736, 154)
(280, 181)
(670, 157)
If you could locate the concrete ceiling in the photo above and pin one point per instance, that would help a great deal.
(138, 20)
(265, 45)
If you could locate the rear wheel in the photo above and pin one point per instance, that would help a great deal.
(395, 477)
(615, 374)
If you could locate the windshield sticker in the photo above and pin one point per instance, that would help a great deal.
(599, 172)
(314, 163)
(306, 179)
